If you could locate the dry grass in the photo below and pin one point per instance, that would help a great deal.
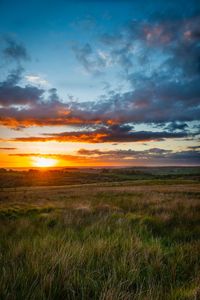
(101, 241)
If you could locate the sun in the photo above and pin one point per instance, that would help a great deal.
(44, 162)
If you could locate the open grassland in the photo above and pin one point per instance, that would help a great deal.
(67, 176)
(108, 241)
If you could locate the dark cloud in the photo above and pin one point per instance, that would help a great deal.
(108, 134)
(24, 106)
(93, 62)
(174, 42)
(161, 60)
(160, 102)
(14, 50)
(153, 155)
(161, 63)
(176, 126)
(194, 147)
(126, 157)
(13, 77)
(12, 94)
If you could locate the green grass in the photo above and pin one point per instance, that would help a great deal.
(103, 242)
(61, 177)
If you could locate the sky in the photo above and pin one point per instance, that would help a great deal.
(99, 83)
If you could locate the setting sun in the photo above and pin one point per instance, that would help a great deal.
(43, 162)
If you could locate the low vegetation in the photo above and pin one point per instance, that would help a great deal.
(105, 241)
(69, 176)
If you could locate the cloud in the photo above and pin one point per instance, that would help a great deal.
(150, 156)
(153, 155)
(194, 147)
(165, 102)
(161, 63)
(13, 77)
(92, 61)
(12, 94)
(36, 80)
(171, 41)
(7, 148)
(24, 106)
(129, 157)
(160, 60)
(14, 50)
(109, 134)
(174, 126)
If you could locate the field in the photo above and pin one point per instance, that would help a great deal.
(123, 234)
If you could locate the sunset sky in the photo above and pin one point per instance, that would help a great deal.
(99, 83)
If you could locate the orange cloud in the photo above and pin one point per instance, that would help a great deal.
(96, 157)
(114, 133)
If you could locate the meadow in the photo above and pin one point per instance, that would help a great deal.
(105, 240)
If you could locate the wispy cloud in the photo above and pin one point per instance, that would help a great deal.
(14, 50)
(130, 157)
(36, 80)
(8, 148)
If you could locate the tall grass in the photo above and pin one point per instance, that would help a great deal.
(101, 243)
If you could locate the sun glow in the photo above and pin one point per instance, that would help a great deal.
(44, 162)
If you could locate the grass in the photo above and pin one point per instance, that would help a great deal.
(101, 241)
(28, 178)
